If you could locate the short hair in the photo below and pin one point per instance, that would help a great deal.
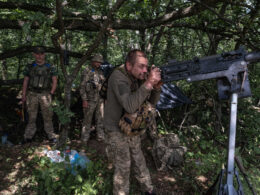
(131, 56)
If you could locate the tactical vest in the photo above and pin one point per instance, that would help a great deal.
(93, 84)
(40, 77)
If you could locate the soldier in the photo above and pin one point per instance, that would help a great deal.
(91, 82)
(40, 82)
(129, 88)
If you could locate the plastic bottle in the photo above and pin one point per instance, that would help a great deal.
(55, 156)
(83, 160)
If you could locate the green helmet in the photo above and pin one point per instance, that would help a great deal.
(97, 58)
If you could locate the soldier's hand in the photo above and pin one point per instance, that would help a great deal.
(84, 104)
(154, 77)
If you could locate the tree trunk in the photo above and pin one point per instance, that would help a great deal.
(67, 101)
(4, 70)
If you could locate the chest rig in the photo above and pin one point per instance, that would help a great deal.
(40, 77)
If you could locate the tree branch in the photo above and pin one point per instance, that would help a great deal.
(11, 82)
(25, 49)
(99, 37)
(91, 23)
(25, 6)
(58, 35)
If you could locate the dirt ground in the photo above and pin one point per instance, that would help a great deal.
(14, 170)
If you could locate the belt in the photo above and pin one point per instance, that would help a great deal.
(38, 90)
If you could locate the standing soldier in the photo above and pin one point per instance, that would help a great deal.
(91, 82)
(131, 98)
(40, 82)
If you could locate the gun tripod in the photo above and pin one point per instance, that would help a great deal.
(228, 188)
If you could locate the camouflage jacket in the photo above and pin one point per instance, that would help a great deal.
(91, 83)
(125, 94)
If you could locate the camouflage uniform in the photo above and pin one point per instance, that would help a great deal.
(39, 96)
(126, 93)
(91, 82)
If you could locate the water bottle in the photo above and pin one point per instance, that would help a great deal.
(55, 156)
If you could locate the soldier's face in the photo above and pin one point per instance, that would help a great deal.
(39, 58)
(139, 68)
(96, 64)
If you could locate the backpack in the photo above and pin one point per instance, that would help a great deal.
(107, 70)
(167, 152)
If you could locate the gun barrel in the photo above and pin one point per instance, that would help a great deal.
(253, 57)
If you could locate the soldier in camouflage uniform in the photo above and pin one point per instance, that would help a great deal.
(128, 89)
(91, 82)
(40, 82)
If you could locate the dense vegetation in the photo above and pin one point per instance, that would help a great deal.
(72, 31)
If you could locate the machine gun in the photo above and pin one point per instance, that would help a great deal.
(230, 69)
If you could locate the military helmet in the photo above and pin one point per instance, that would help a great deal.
(97, 58)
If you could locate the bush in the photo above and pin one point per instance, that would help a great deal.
(53, 178)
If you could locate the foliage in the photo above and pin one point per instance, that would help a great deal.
(63, 113)
(57, 177)
(201, 126)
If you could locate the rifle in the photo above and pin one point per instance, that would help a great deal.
(230, 69)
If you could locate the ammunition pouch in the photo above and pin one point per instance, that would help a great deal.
(136, 123)
(40, 78)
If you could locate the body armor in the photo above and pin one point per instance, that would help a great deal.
(40, 77)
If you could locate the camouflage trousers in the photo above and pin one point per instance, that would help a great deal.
(124, 152)
(152, 127)
(33, 101)
(94, 108)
